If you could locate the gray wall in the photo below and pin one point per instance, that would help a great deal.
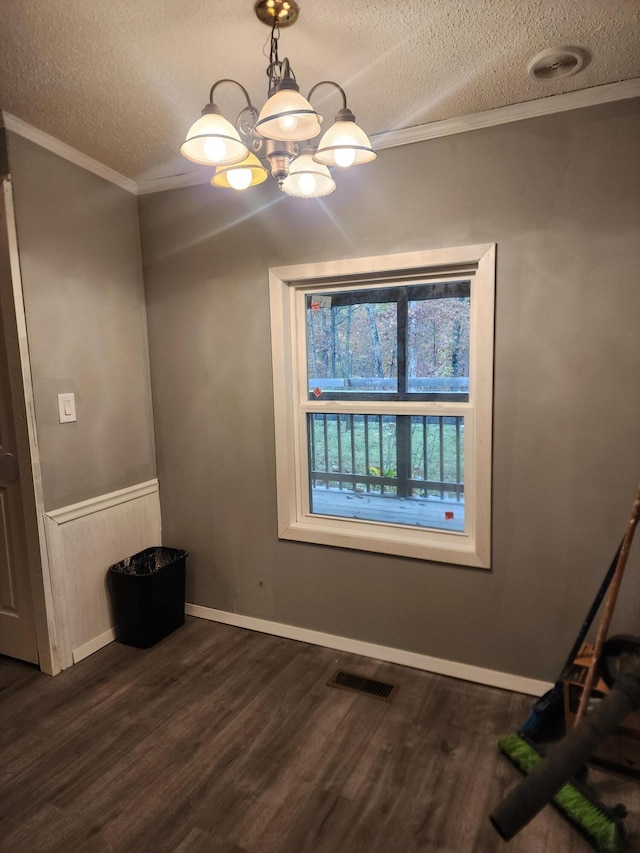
(560, 197)
(79, 248)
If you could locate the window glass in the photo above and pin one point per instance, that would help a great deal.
(351, 344)
(438, 345)
(393, 469)
(401, 340)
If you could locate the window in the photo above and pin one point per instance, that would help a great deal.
(383, 396)
(392, 344)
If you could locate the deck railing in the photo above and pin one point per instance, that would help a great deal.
(420, 456)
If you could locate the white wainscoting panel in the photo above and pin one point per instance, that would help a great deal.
(83, 540)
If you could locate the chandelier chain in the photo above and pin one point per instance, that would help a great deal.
(274, 69)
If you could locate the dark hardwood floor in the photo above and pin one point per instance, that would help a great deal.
(222, 740)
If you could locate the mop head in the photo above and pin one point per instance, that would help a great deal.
(602, 827)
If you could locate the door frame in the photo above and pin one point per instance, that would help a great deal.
(42, 588)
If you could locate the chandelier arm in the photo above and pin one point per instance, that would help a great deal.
(330, 83)
(235, 82)
(247, 118)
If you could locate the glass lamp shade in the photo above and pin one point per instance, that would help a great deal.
(289, 117)
(308, 179)
(344, 144)
(212, 140)
(247, 173)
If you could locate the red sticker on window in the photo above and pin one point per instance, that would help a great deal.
(315, 306)
(448, 516)
(317, 392)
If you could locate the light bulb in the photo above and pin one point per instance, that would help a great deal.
(239, 178)
(307, 183)
(215, 149)
(345, 157)
(288, 123)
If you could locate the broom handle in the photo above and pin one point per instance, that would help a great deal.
(591, 615)
(610, 603)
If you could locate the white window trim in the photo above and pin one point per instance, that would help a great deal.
(287, 286)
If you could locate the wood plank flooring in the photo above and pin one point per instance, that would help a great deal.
(221, 740)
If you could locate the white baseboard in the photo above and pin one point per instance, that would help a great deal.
(466, 672)
(93, 645)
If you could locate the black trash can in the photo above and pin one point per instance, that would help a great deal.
(148, 592)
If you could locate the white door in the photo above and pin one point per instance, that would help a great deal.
(17, 626)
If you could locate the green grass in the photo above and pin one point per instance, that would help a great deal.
(354, 449)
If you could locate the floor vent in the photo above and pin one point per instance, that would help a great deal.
(358, 684)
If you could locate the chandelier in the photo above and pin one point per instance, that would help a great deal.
(281, 133)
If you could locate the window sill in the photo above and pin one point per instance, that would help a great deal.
(436, 546)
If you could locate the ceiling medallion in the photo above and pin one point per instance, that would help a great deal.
(281, 133)
(285, 12)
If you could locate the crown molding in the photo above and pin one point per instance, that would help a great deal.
(513, 112)
(174, 182)
(594, 96)
(50, 143)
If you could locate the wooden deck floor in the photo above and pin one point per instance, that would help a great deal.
(221, 740)
(419, 512)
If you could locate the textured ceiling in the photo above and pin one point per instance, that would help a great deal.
(123, 80)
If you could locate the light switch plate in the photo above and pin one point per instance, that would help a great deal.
(67, 408)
